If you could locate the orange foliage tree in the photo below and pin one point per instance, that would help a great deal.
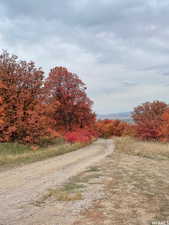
(22, 100)
(148, 119)
(107, 128)
(74, 110)
(32, 108)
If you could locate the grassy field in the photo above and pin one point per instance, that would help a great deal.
(14, 154)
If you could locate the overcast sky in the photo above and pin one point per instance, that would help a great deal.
(119, 48)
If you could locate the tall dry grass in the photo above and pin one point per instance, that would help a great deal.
(132, 146)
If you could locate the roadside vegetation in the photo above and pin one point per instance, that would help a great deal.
(150, 123)
(34, 106)
(36, 109)
(14, 154)
(148, 149)
(41, 116)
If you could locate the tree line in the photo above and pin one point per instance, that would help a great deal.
(151, 123)
(33, 106)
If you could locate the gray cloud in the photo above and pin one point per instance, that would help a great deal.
(117, 47)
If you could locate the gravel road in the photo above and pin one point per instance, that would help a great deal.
(20, 186)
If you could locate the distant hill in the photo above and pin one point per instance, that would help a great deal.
(125, 116)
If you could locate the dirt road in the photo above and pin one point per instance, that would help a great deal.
(23, 185)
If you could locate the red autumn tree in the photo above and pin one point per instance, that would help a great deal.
(22, 97)
(148, 119)
(2, 114)
(164, 127)
(74, 110)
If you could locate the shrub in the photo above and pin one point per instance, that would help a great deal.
(107, 128)
(148, 119)
(80, 135)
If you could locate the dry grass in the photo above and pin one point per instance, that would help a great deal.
(68, 192)
(61, 195)
(136, 186)
(13, 154)
(152, 150)
(71, 191)
(138, 190)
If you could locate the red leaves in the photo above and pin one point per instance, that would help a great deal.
(148, 119)
(80, 135)
(74, 110)
(151, 123)
(21, 98)
(149, 111)
(31, 108)
(163, 130)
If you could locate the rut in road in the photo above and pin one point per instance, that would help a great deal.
(25, 184)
